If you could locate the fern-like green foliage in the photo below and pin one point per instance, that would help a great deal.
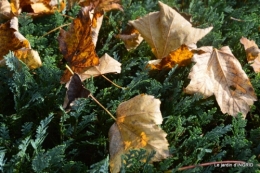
(38, 135)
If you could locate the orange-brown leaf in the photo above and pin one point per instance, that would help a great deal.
(5, 10)
(37, 7)
(252, 53)
(137, 127)
(76, 44)
(10, 37)
(182, 56)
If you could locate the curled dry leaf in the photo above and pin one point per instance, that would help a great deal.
(75, 89)
(99, 5)
(97, 19)
(107, 64)
(137, 127)
(5, 10)
(36, 7)
(218, 72)
(252, 53)
(131, 37)
(182, 56)
(76, 45)
(12, 40)
(167, 30)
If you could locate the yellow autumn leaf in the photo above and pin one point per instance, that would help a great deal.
(218, 72)
(137, 127)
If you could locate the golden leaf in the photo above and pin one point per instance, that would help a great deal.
(252, 53)
(218, 72)
(182, 56)
(76, 45)
(137, 127)
(167, 30)
(107, 64)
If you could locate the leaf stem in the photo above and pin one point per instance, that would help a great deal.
(55, 29)
(112, 82)
(69, 69)
(109, 113)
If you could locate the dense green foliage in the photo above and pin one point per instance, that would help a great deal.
(37, 135)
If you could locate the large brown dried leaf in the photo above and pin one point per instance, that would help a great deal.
(137, 127)
(218, 72)
(107, 64)
(252, 53)
(167, 30)
(13, 40)
(76, 45)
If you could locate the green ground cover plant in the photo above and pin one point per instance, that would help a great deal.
(38, 135)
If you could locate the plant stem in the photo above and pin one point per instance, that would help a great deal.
(55, 29)
(69, 69)
(102, 106)
(112, 82)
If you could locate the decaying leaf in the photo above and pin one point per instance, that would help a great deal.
(76, 45)
(5, 10)
(75, 89)
(36, 7)
(107, 64)
(218, 72)
(166, 30)
(99, 5)
(182, 56)
(252, 53)
(137, 127)
(97, 19)
(131, 37)
(12, 40)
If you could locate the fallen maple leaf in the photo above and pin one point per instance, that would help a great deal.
(12, 40)
(36, 7)
(218, 72)
(167, 30)
(252, 53)
(76, 45)
(75, 89)
(131, 37)
(182, 56)
(107, 64)
(137, 127)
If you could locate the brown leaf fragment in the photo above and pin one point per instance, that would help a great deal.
(5, 10)
(13, 40)
(75, 89)
(97, 20)
(107, 64)
(131, 37)
(252, 53)
(77, 46)
(36, 7)
(137, 127)
(218, 72)
(99, 5)
(182, 56)
(167, 30)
